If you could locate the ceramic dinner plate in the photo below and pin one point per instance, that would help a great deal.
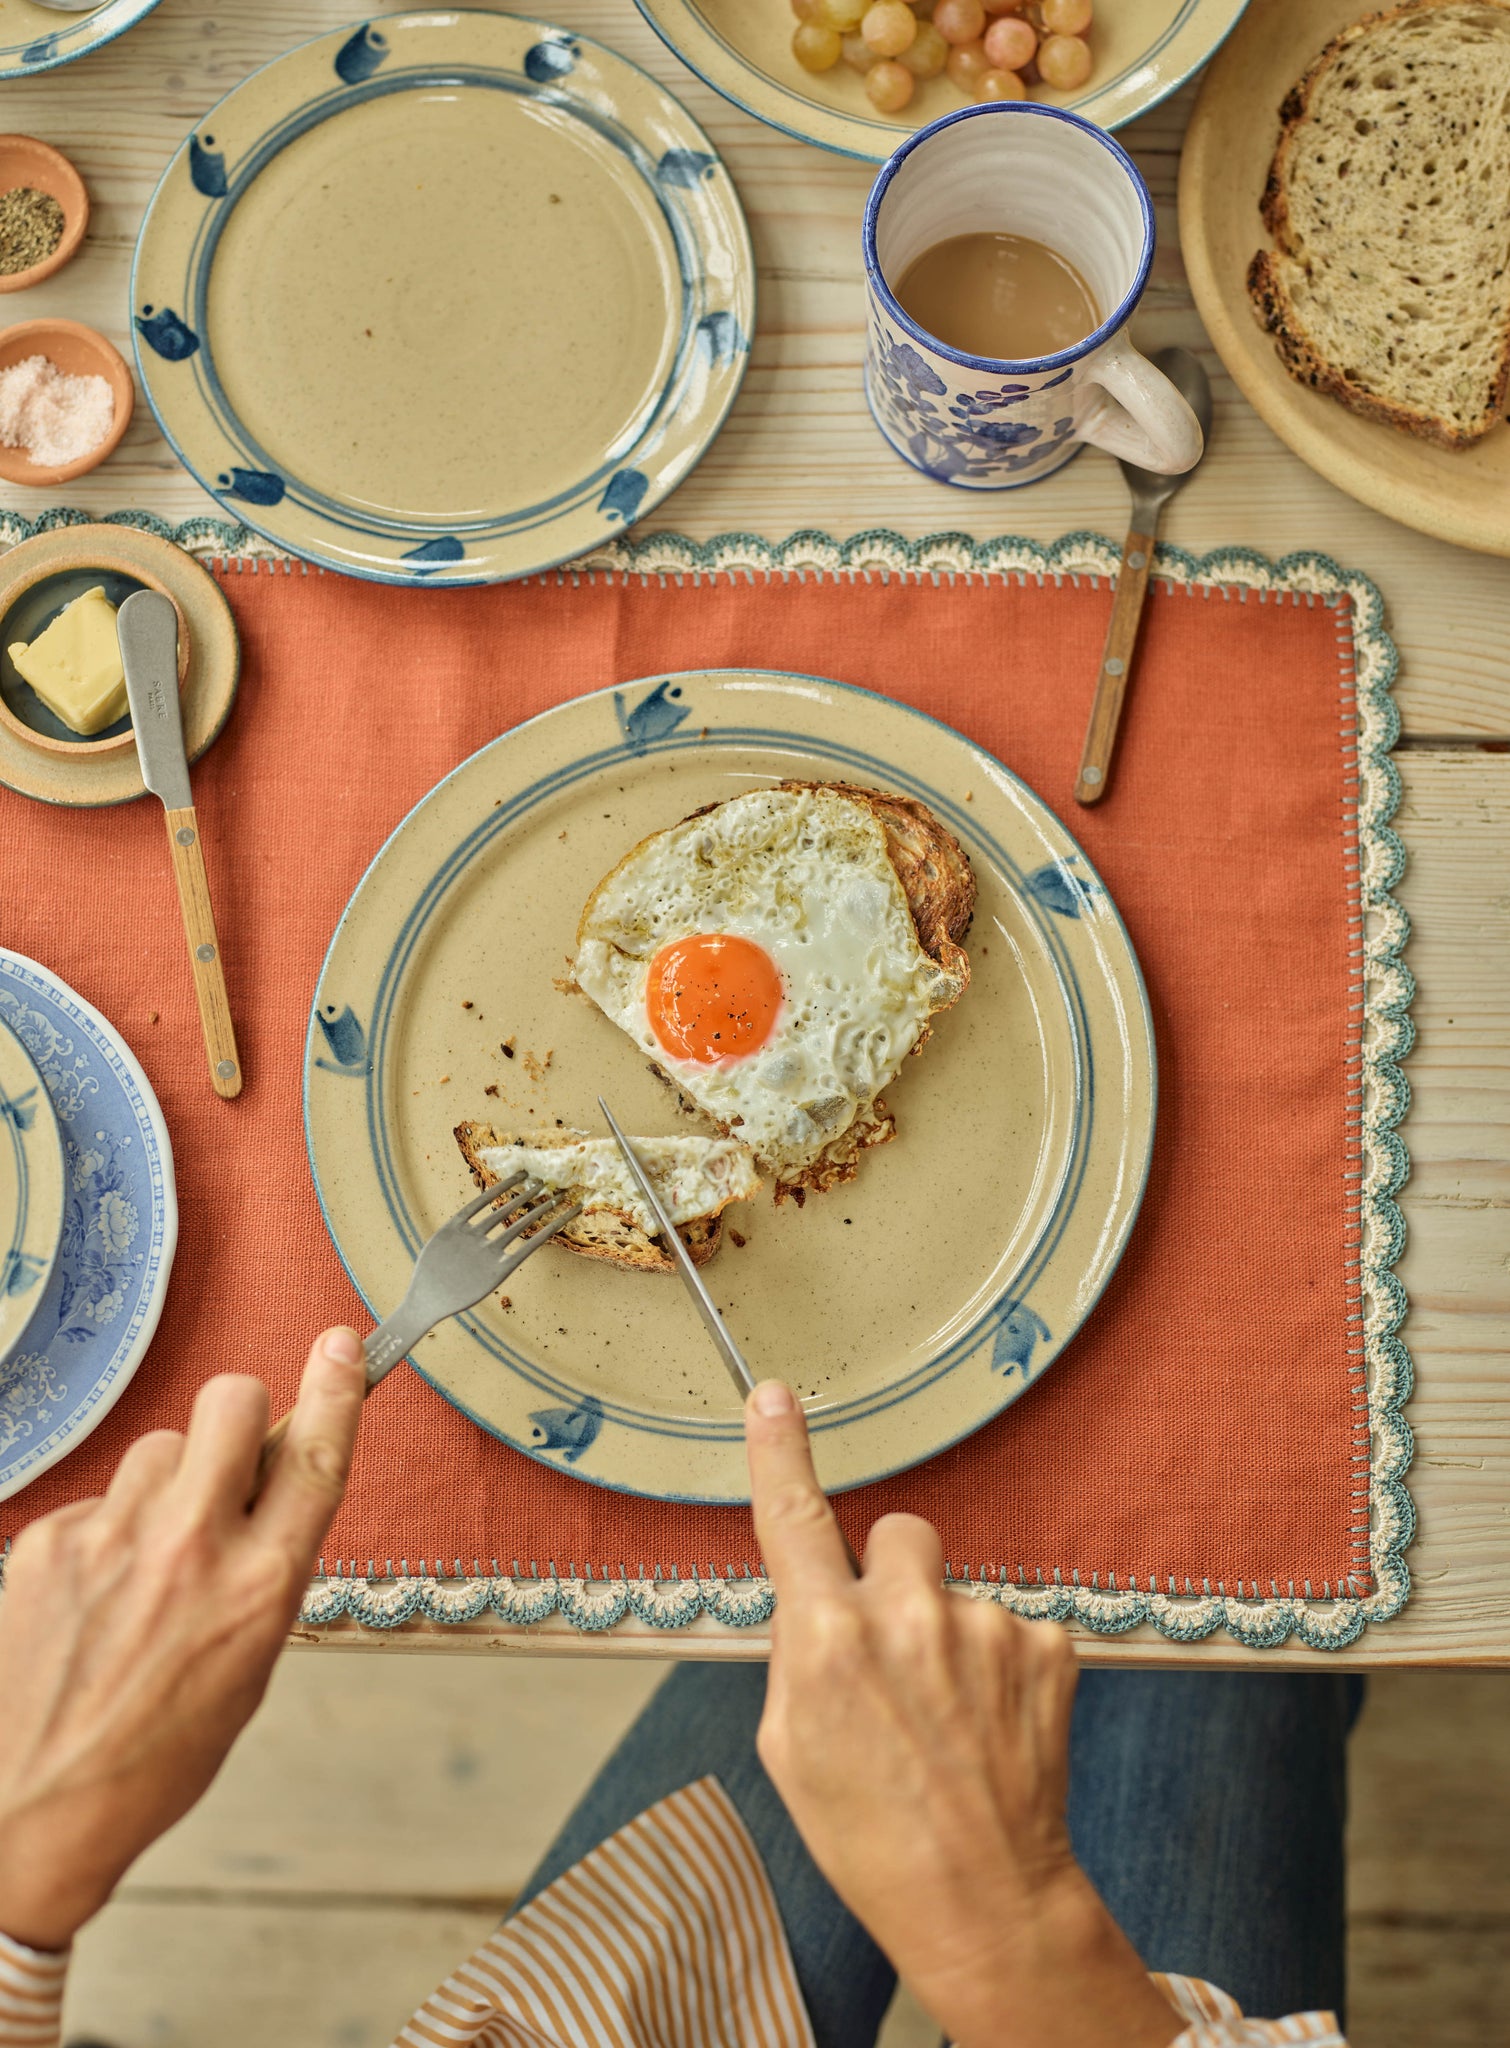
(31, 1190)
(445, 297)
(908, 1307)
(120, 1224)
(1143, 50)
(1457, 495)
(36, 38)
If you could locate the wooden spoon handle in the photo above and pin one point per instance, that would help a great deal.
(1116, 668)
(204, 951)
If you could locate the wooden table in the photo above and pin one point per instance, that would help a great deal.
(799, 450)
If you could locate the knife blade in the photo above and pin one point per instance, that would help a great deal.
(147, 628)
(681, 1258)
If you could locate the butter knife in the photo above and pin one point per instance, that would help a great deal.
(147, 626)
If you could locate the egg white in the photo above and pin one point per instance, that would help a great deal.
(694, 1176)
(806, 875)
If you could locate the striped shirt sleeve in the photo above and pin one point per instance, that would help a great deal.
(1217, 2021)
(665, 1936)
(31, 1996)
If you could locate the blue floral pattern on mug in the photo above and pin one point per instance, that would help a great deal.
(972, 428)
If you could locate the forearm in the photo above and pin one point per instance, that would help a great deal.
(31, 1996)
(1059, 1975)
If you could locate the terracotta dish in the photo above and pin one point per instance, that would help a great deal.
(82, 353)
(26, 161)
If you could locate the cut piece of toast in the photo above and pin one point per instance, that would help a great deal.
(1388, 286)
(614, 1224)
(932, 888)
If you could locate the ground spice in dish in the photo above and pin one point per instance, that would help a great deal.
(31, 227)
(55, 417)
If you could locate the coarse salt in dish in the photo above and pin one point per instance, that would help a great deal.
(57, 418)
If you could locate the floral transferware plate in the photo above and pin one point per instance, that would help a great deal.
(36, 38)
(905, 1323)
(446, 297)
(31, 1190)
(120, 1224)
(1143, 50)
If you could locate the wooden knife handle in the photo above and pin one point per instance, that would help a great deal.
(204, 951)
(1116, 669)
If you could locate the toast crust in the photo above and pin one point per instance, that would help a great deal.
(1272, 302)
(611, 1235)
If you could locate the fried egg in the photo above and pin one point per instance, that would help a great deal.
(764, 956)
(694, 1176)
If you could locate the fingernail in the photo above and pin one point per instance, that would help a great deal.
(342, 1347)
(774, 1397)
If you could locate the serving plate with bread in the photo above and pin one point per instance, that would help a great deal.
(1344, 194)
(871, 1017)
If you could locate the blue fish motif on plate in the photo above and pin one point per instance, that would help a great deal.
(166, 334)
(344, 1037)
(360, 55)
(1018, 1336)
(253, 486)
(621, 500)
(431, 555)
(1058, 888)
(686, 167)
(546, 62)
(655, 716)
(206, 167)
(568, 1430)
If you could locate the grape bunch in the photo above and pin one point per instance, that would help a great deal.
(990, 49)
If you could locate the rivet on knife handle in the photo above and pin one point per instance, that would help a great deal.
(1116, 669)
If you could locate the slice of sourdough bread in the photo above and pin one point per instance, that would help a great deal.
(1389, 203)
(696, 1177)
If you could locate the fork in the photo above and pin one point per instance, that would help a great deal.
(458, 1267)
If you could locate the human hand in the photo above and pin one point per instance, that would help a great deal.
(138, 1633)
(920, 1741)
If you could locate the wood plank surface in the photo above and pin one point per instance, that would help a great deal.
(800, 450)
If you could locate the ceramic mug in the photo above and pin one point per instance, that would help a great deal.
(1017, 167)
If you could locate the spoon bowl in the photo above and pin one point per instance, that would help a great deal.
(1152, 488)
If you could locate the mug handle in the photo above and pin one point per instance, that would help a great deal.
(1136, 414)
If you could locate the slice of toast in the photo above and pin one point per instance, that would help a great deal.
(1388, 286)
(608, 1227)
(938, 886)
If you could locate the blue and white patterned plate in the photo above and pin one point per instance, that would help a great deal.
(444, 297)
(908, 1307)
(120, 1224)
(36, 38)
(31, 1190)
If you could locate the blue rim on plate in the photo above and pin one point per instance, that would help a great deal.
(120, 1226)
(31, 1190)
(49, 46)
(395, 69)
(465, 911)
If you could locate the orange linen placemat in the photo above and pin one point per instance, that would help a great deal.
(1208, 1429)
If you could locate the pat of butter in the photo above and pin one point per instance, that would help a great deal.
(75, 666)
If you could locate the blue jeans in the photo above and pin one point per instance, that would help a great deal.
(1207, 1807)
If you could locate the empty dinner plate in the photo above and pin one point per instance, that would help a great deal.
(446, 297)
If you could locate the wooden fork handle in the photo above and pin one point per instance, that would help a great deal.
(204, 951)
(1116, 668)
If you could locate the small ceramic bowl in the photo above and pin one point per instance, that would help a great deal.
(26, 161)
(82, 353)
(30, 608)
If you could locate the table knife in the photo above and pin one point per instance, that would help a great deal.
(147, 625)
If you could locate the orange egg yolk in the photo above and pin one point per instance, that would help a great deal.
(713, 996)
